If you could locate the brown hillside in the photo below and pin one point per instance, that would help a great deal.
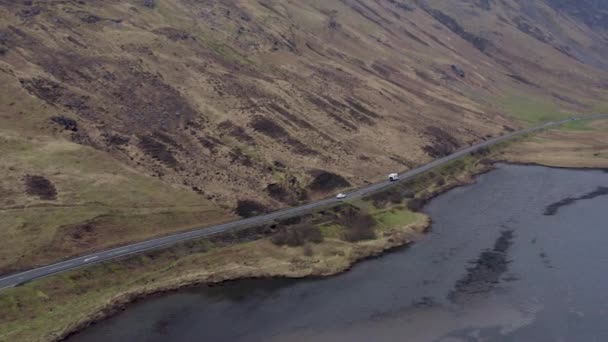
(269, 102)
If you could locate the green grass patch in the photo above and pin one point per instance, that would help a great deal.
(331, 230)
(580, 125)
(532, 110)
(394, 217)
(601, 155)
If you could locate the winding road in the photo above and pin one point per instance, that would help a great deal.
(40, 272)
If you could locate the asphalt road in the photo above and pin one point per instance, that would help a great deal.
(26, 276)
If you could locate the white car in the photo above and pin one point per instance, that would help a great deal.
(341, 196)
(393, 177)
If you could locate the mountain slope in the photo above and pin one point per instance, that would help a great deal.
(251, 105)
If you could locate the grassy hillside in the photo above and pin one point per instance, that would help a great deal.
(137, 118)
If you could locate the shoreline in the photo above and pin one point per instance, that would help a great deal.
(119, 304)
(393, 242)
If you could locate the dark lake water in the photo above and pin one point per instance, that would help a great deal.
(520, 256)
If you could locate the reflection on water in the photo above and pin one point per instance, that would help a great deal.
(494, 267)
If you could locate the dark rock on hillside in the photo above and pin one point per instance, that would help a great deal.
(458, 70)
(150, 3)
(67, 123)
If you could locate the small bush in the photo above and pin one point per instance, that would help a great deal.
(482, 152)
(327, 181)
(297, 236)
(381, 199)
(359, 224)
(249, 208)
(308, 251)
(67, 123)
(41, 187)
(360, 233)
(440, 182)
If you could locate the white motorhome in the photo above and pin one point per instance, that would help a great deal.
(393, 177)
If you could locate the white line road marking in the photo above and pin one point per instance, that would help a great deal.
(91, 258)
(60, 267)
(119, 252)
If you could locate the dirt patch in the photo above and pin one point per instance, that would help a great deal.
(487, 270)
(250, 208)
(553, 208)
(41, 187)
(327, 181)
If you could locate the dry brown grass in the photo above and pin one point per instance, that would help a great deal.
(584, 145)
(98, 202)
